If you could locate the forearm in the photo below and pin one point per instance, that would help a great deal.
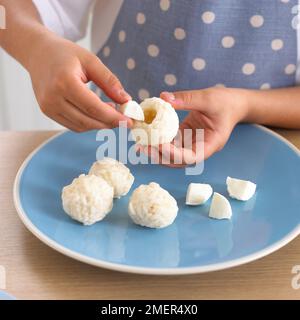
(277, 107)
(24, 30)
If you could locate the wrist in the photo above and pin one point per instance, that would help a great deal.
(244, 112)
(236, 102)
(39, 43)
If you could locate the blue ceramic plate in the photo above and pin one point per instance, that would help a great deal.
(194, 243)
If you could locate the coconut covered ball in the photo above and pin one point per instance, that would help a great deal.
(160, 126)
(152, 206)
(87, 199)
(115, 173)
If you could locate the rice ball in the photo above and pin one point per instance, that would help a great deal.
(152, 206)
(160, 126)
(87, 199)
(115, 173)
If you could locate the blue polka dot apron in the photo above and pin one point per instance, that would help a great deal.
(178, 45)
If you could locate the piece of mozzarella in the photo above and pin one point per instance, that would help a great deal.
(198, 193)
(220, 207)
(240, 189)
(132, 110)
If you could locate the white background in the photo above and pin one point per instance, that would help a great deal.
(18, 107)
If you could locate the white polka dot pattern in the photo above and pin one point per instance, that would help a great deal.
(199, 64)
(130, 64)
(228, 42)
(153, 46)
(265, 86)
(290, 69)
(143, 94)
(277, 44)
(179, 34)
(122, 36)
(170, 79)
(248, 69)
(164, 5)
(153, 50)
(208, 17)
(257, 21)
(140, 18)
(106, 51)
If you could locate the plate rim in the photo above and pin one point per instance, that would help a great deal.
(144, 270)
(6, 296)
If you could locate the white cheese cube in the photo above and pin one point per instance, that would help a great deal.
(240, 189)
(198, 193)
(220, 207)
(133, 110)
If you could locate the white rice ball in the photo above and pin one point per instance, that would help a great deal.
(87, 199)
(160, 126)
(152, 206)
(115, 173)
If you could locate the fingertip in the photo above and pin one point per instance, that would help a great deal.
(117, 94)
(167, 96)
(121, 95)
(125, 95)
(171, 98)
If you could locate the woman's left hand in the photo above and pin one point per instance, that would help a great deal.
(216, 110)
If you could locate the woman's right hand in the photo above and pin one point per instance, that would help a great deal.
(59, 71)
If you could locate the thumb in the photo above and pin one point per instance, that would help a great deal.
(106, 80)
(185, 100)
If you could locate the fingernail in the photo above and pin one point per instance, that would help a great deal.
(170, 96)
(125, 95)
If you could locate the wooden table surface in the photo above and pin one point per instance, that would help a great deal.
(35, 271)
